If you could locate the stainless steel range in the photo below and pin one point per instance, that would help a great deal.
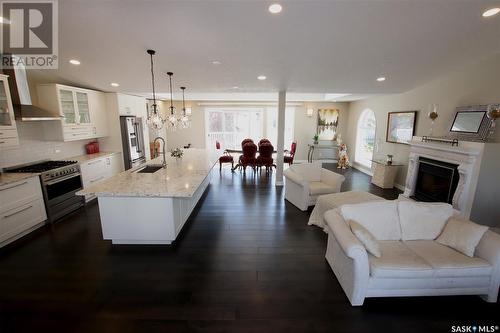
(60, 181)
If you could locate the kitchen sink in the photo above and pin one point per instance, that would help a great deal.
(149, 169)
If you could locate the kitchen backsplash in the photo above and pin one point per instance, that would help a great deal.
(32, 147)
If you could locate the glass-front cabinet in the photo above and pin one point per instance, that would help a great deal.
(5, 112)
(68, 106)
(82, 102)
(74, 107)
(8, 130)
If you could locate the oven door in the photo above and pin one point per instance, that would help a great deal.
(60, 189)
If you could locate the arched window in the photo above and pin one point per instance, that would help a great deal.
(365, 138)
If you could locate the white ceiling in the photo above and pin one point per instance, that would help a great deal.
(319, 47)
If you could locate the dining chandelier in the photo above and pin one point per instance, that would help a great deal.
(156, 120)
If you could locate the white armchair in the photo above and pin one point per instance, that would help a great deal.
(305, 182)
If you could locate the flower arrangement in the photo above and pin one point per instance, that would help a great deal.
(177, 153)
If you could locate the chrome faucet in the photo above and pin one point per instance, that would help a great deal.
(164, 163)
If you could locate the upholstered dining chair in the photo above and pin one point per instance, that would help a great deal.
(245, 141)
(265, 158)
(290, 154)
(248, 157)
(263, 141)
(225, 158)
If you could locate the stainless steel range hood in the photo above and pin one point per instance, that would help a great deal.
(24, 110)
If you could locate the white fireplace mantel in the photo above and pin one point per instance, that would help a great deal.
(468, 158)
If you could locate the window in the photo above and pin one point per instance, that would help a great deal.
(365, 138)
(230, 126)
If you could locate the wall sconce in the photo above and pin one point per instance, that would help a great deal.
(188, 111)
(309, 112)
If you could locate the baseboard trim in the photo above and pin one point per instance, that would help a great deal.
(399, 187)
(362, 168)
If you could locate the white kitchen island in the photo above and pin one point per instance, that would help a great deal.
(151, 208)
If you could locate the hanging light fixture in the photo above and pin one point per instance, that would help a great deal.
(172, 120)
(184, 120)
(154, 119)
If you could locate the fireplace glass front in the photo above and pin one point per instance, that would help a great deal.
(436, 181)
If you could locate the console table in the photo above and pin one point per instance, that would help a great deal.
(384, 174)
(334, 147)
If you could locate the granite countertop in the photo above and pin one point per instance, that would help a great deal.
(181, 178)
(90, 157)
(7, 178)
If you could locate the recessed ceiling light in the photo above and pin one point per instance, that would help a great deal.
(2, 20)
(235, 87)
(114, 84)
(381, 79)
(74, 62)
(216, 62)
(261, 77)
(275, 8)
(491, 12)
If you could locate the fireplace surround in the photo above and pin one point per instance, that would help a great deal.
(465, 160)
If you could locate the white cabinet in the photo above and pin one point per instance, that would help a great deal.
(83, 112)
(8, 130)
(98, 169)
(21, 208)
(129, 105)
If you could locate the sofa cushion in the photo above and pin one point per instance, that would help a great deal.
(462, 235)
(366, 238)
(447, 262)
(379, 217)
(398, 261)
(421, 220)
(317, 188)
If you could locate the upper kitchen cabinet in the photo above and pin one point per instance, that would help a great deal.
(83, 112)
(8, 130)
(130, 105)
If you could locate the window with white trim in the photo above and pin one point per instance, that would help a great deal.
(365, 138)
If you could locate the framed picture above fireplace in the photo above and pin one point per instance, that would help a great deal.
(401, 126)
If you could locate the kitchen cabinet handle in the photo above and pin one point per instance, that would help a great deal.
(8, 188)
(2, 142)
(19, 211)
(96, 180)
(94, 162)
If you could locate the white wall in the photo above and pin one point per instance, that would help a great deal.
(476, 83)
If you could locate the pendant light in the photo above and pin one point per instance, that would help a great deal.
(172, 120)
(154, 120)
(185, 121)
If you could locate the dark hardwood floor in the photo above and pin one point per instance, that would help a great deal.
(245, 262)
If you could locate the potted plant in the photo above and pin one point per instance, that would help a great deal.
(316, 138)
(177, 153)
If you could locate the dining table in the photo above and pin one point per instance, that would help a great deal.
(240, 151)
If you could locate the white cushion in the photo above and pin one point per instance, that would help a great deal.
(366, 238)
(379, 217)
(448, 262)
(308, 171)
(420, 220)
(317, 188)
(462, 235)
(398, 261)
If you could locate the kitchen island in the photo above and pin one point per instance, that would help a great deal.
(151, 208)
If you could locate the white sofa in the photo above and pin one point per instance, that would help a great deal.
(305, 182)
(415, 267)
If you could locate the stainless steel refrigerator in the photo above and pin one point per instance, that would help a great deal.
(132, 141)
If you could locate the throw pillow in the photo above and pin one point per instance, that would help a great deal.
(380, 218)
(366, 238)
(462, 236)
(421, 220)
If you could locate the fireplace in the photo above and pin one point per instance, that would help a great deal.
(436, 181)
